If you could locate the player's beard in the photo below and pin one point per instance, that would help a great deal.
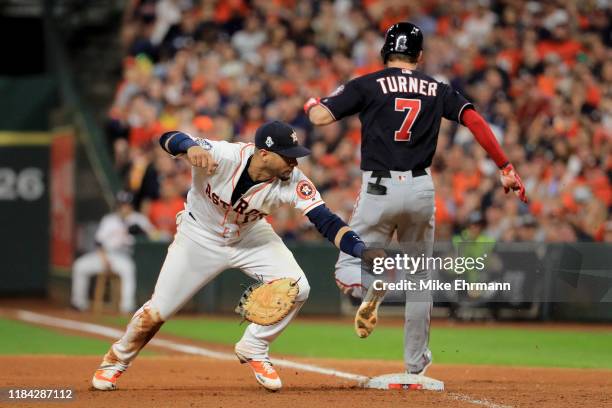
(286, 175)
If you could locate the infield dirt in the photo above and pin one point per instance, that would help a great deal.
(187, 381)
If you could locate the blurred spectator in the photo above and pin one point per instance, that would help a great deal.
(162, 212)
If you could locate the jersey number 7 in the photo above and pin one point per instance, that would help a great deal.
(414, 107)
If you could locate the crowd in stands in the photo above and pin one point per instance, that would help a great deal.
(540, 72)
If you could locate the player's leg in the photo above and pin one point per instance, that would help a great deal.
(263, 255)
(416, 235)
(372, 221)
(123, 265)
(191, 262)
(84, 268)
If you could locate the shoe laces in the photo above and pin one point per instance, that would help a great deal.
(267, 366)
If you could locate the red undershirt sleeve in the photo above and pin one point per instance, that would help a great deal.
(485, 137)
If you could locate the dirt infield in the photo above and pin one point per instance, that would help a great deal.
(185, 381)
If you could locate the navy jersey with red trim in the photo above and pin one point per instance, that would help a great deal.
(400, 112)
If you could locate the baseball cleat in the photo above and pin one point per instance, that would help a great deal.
(264, 372)
(427, 360)
(367, 314)
(105, 377)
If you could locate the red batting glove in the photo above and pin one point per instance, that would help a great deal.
(512, 181)
(310, 103)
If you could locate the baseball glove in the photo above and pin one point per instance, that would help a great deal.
(268, 303)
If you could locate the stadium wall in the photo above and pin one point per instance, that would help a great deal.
(24, 182)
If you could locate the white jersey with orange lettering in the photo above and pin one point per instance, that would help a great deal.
(223, 227)
(209, 200)
(213, 235)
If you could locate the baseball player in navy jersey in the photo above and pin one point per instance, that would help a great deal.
(234, 186)
(400, 109)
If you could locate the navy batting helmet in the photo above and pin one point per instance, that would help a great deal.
(402, 38)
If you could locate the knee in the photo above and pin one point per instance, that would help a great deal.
(156, 310)
(124, 267)
(151, 314)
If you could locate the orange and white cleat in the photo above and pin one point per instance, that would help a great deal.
(105, 377)
(264, 372)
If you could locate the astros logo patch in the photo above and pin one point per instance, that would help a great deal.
(305, 190)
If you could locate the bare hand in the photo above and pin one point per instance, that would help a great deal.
(198, 157)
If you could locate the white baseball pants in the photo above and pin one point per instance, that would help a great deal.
(194, 258)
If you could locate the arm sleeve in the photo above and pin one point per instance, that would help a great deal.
(485, 137)
(329, 224)
(346, 100)
(176, 143)
(454, 104)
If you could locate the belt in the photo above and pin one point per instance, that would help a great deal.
(378, 189)
(387, 173)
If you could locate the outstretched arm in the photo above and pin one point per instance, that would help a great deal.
(485, 137)
(346, 100)
(316, 113)
(337, 232)
(179, 143)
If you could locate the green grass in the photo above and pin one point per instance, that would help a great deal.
(24, 338)
(450, 345)
(453, 345)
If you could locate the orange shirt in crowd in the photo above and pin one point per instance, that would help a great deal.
(442, 214)
(547, 85)
(162, 214)
(463, 182)
(142, 136)
(226, 9)
(567, 50)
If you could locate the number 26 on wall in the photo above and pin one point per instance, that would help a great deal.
(26, 184)
(413, 106)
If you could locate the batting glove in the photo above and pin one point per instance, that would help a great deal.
(512, 181)
(310, 103)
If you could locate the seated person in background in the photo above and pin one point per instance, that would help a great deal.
(114, 238)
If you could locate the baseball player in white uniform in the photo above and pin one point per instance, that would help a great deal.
(114, 237)
(235, 186)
